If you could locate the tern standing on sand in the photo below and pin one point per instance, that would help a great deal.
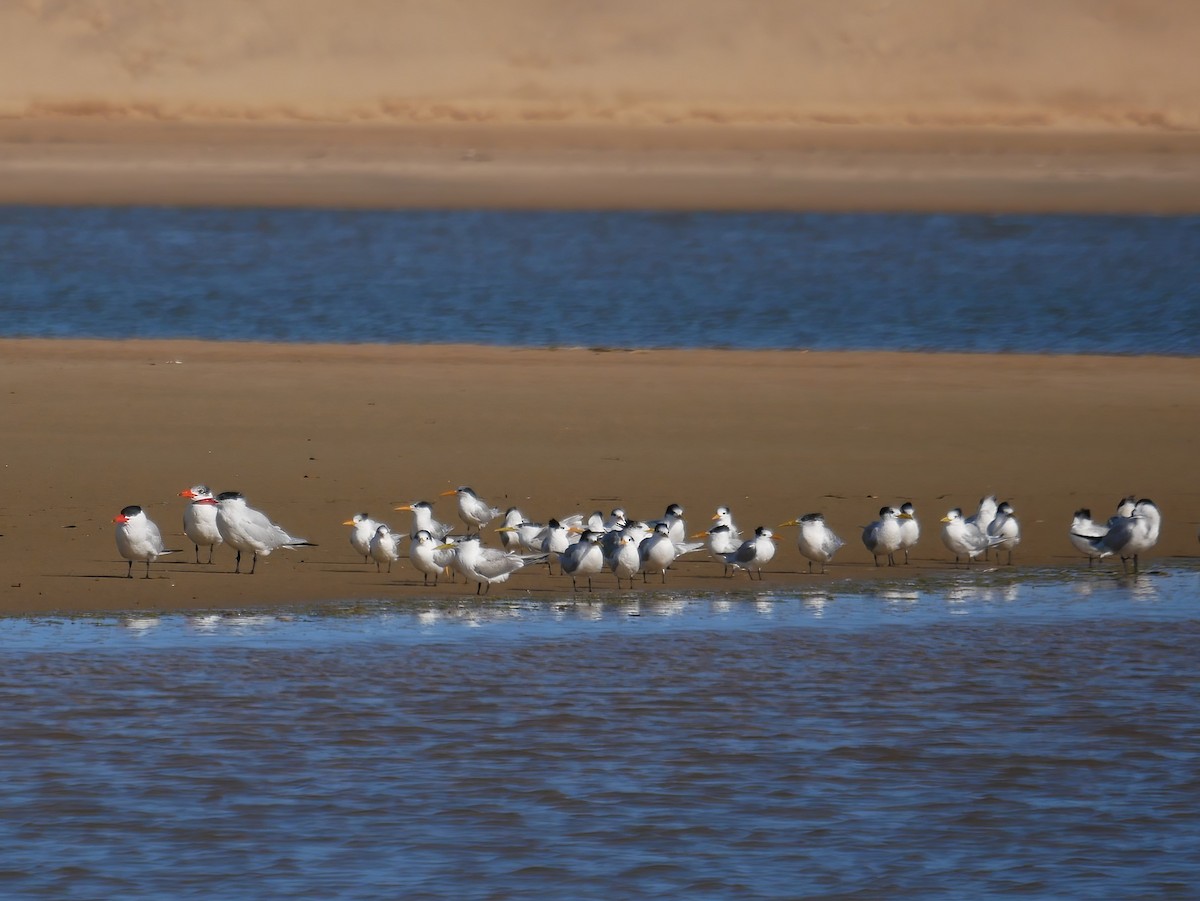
(910, 529)
(247, 529)
(882, 537)
(816, 540)
(472, 509)
(754, 553)
(963, 538)
(1006, 528)
(200, 520)
(384, 547)
(362, 532)
(138, 538)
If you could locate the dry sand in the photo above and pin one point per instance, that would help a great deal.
(313, 434)
(1071, 105)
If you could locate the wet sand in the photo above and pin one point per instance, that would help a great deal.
(85, 160)
(313, 434)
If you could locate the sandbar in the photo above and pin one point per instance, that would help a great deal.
(314, 433)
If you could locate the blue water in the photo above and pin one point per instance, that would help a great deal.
(1058, 284)
(975, 737)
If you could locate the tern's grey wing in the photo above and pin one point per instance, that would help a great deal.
(746, 552)
(831, 543)
(871, 536)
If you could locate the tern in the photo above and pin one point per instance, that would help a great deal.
(910, 529)
(816, 540)
(362, 533)
(1083, 532)
(245, 529)
(724, 517)
(754, 553)
(883, 537)
(657, 551)
(422, 512)
(200, 520)
(1007, 529)
(722, 540)
(426, 556)
(963, 538)
(514, 527)
(982, 517)
(672, 518)
(1131, 535)
(472, 509)
(625, 561)
(616, 520)
(583, 558)
(384, 547)
(486, 565)
(138, 538)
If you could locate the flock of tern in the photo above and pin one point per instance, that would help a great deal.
(584, 547)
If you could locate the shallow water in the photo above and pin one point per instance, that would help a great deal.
(976, 736)
(1058, 284)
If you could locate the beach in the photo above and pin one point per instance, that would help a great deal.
(312, 434)
(931, 105)
(934, 106)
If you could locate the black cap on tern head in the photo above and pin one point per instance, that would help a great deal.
(229, 495)
(131, 510)
(812, 517)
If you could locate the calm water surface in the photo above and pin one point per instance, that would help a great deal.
(1058, 284)
(969, 738)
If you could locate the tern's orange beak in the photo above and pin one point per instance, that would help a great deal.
(120, 517)
(448, 493)
(187, 492)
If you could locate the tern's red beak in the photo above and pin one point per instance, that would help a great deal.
(120, 517)
(187, 492)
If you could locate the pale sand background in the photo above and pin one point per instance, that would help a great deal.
(313, 434)
(829, 104)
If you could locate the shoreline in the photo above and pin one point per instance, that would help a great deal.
(314, 433)
(94, 161)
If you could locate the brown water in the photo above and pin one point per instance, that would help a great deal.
(1032, 738)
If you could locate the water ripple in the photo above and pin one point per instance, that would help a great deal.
(1036, 747)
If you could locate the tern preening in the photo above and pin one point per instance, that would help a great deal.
(1132, 532)
(1083, 533)
(200, 520)
(245, 529)
(1007, 529)
(138, 538)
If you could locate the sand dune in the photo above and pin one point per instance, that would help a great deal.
(946, 63)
